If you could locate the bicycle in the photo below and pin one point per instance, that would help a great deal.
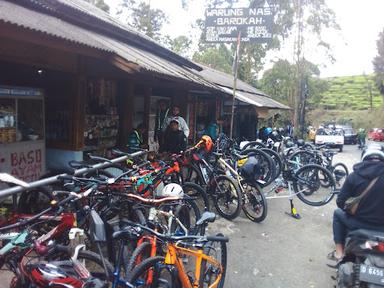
(254, 204)
(170, 271)
(312, 184)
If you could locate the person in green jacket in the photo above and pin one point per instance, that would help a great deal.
(361, 135)
(135, 138)
(212, 129)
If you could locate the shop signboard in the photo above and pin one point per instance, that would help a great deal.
(24, 160)
(223, 25)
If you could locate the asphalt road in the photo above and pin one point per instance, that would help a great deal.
(282, 251)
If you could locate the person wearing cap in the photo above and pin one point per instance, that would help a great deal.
(367, 177)
(174, 140)
(176, 116)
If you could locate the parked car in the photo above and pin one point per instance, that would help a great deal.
(334, 138)
(376, 134)
(350, 136)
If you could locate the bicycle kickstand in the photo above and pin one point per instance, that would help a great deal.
(293, 212)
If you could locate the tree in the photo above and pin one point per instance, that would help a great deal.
(314, 16)
(378, 64)
(181, 45)
(220, 58)
(99, 4)
(143, 18)
(281, 83)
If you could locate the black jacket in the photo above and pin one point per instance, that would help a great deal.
(174, 142)
(371, 207)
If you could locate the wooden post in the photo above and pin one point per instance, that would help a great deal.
(147, 102)
(126, 108)
(78, 99)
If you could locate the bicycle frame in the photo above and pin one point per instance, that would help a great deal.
(172, 258)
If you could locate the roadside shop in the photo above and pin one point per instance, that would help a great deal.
(75, 81)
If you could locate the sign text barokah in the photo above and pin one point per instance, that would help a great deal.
(224, 24)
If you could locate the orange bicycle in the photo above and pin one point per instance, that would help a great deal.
(189, 262)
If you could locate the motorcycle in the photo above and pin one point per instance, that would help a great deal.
(363, 263)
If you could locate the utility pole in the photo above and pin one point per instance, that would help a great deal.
(300, 98)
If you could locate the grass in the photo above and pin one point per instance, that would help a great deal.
(357, 118)
(351, 93)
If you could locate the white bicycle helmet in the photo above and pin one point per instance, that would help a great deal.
(171, 190)
(373, 152)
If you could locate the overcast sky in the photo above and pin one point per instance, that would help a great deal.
(353, 47)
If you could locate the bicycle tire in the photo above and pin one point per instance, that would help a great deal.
(230, 196)
(339, 179)
(304, 157)
(156, 263)
(266, 163)
(257, 200)
(139, 251)
(311, 193)
(276, 159)
(35, 200)
(208, 247)
(195, 190)
(115, 169)
(254, 145)
(198, 179)
(61, 251)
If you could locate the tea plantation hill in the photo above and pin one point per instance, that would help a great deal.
(350, 93)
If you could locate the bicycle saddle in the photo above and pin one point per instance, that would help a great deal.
(207, 217)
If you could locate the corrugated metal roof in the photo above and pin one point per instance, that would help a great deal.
(244, 92)
(256, 100)
(224, 79)
(33, 20)
(109, 26)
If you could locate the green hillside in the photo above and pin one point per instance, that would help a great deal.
(351, 93)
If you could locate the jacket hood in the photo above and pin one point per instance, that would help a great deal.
(369, 169)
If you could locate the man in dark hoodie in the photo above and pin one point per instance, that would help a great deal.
(174, 140)
(370, 212)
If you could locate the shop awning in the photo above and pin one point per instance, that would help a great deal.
(256, 100)
(245, 93)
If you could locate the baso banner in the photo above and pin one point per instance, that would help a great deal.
(223, 25)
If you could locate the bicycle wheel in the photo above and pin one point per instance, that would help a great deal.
(92, 261)
(115, 170)
(35, 200)
(196, 191)
(208, 271)
(254, 203)
(308, 187)
(340, 173)
(152, 272)
(303, 157)
(266, 163)
(227, 197)
(276, 160)
(254, 145)
(193, 175)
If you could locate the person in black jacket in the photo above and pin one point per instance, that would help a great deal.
(370, 211)
(174, 140)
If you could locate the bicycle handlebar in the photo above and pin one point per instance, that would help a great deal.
(170, 238)
(72, 196)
